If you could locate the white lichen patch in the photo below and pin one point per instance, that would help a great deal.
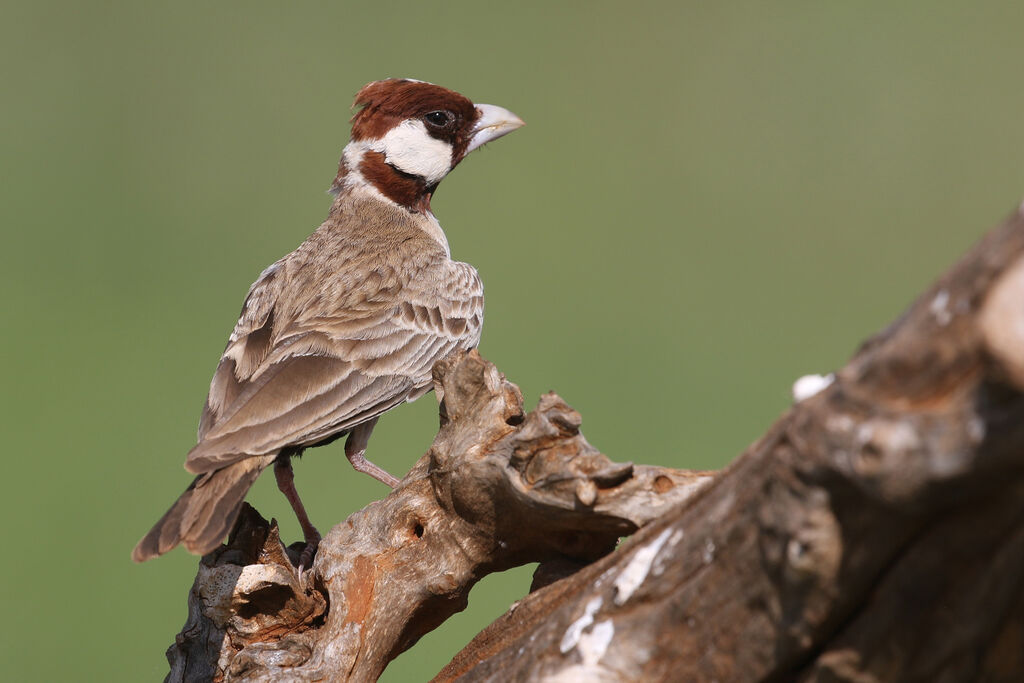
(659, 563)
(1001, 322)
(572, 634)
(592, 647)
(594, 644)
(709, 551)
(939, 308)
(809, 385)
(638, 568)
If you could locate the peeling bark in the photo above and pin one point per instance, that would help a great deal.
(875, 533)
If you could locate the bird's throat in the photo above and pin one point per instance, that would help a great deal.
(409, 191)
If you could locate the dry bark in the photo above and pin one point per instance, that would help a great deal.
(497, 489)
(875, 533)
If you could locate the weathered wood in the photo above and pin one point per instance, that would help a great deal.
(875, 533)
(497, 489)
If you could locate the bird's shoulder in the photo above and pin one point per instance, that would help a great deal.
(358, 265)
(357, 272)
(350, 263)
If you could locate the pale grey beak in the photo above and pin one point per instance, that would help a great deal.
(493, 123)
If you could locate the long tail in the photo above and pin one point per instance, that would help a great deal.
(203, 515)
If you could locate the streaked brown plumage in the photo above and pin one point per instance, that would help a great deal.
(347, 326)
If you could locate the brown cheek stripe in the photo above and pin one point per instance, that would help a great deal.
(408, 190)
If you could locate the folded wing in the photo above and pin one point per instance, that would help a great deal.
(298, 378)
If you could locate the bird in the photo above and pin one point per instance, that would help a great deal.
(350, 324)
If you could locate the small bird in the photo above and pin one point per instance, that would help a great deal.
(347, 326)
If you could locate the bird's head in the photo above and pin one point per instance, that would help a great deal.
(408, 135)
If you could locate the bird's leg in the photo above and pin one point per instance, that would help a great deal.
(355, 451)
(286, 482)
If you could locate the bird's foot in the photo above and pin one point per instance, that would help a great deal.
(307, 555)
(361, 464)
(355, 451)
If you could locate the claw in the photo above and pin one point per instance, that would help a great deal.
(306, 558)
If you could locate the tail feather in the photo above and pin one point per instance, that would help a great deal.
(204, 514)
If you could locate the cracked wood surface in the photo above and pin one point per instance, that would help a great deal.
(875, 533)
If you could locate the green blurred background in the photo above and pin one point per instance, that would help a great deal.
(709, 200)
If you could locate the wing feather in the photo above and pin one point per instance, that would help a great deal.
(294, 380)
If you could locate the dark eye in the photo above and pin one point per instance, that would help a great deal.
(438, 118)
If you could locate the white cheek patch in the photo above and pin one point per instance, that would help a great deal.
(409, 148)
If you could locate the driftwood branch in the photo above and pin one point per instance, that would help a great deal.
(497, 489)
(875, 533)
